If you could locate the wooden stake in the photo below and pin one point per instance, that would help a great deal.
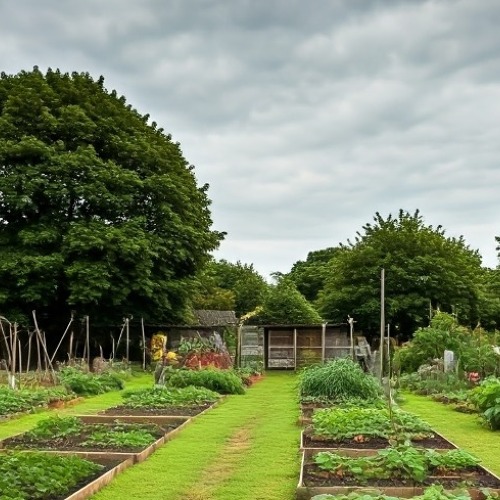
(143, 345)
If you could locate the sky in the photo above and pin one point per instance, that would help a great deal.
(305, 118)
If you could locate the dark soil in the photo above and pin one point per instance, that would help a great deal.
(475, 477)
(74, 442)
(185, 411)
(372, 443)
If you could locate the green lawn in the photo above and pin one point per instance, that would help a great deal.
(462, 429)
(246, 448)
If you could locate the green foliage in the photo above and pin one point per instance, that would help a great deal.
(284, 304)
(444, 333)
(402, 461)
(100, 210)
(432, 382)
(227, 286)
(434, 492)
(27, 400)
(309, 275)
(33, 476)
(346, 423)
(159, 397)
(56, 427)
(86, 383)
(486, 398)
(98, 435)
(421, 265)
(221, 381)
(119, 437)
(338, 380)
(481, 359)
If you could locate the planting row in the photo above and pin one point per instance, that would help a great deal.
(354, 439)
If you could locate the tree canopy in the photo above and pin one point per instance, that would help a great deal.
(228, 286)
(423, 269)
(284, 304)
(99, 210)
(309, 275)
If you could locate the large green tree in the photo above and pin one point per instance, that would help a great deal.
(99, 210)
(309, 276)
(234, 286)
(423, 269)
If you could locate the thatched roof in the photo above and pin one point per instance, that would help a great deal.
(215, 318)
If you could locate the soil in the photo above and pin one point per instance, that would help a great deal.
(74, 442)
(184, 411)
(372, 443)
(475, 477)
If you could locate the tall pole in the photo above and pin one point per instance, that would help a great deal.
(351, 333)
(382, 322)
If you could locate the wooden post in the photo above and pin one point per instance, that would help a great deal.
(62, 338)
(143, 345)
(46, 354)
(30, 341)
(87, 339)
(127, 338)
(382, 322)
(323, 342)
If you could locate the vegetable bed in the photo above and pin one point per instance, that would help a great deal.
(42, 476)
(402, 470)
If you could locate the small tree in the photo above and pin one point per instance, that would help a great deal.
(284, 304)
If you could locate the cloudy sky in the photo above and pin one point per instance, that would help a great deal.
(306, 118)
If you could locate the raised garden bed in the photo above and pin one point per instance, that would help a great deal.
(312, 441)
(112, 439)
(315, 480)
(42, 476)
(173, 410)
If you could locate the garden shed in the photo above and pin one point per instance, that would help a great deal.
(294, 346)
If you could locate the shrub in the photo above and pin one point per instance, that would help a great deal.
(339, 380)
(159, 397)
(486, 398)
(86, 383)
(27, 400)
(221, 381)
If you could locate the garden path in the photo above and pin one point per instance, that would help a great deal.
(246, 448)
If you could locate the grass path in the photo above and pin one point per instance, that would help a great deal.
(462, 429)
(244, 449)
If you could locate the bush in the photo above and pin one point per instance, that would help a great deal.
(159, 397)
(339, 380)
(86, 383)
(221, 381)
(26, 400)
(486, 398)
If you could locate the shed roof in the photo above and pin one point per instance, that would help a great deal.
(207, 317)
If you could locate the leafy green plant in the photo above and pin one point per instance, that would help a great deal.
(221, 381)
(119, 437)
(86, 383)
(486, 398)
(403, 461)
(56, 427)
(25, 400)
(338, 380)
(33, 476)
(434, 492)
(159, 397)
(347, 423)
